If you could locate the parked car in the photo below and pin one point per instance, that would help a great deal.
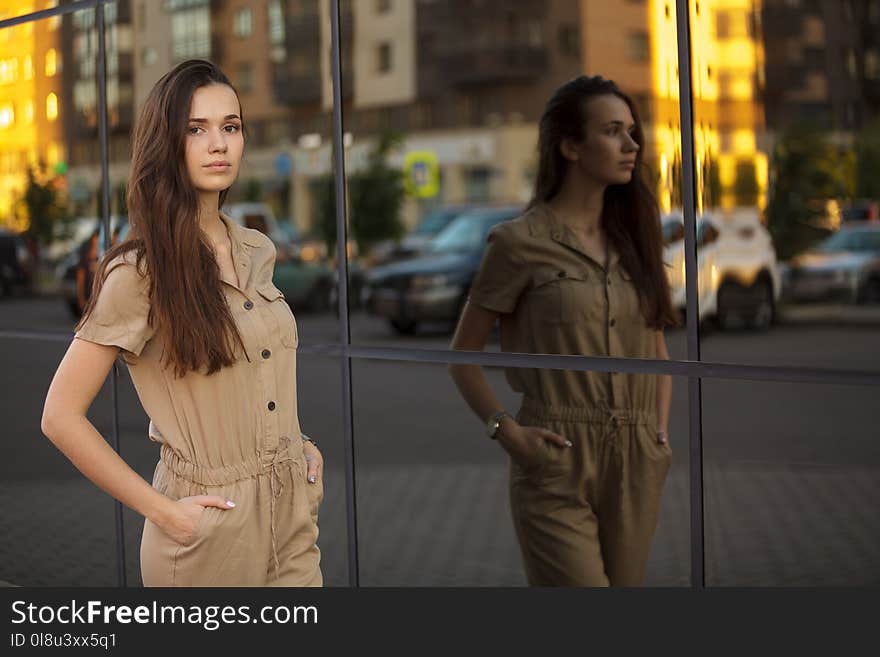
(306, 283)
(16, 264)
(861, 210)
(434, 285)
(738, 278)
(843, 267)
(75, 272)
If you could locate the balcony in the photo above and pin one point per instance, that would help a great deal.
(488, 65)
(296, 89)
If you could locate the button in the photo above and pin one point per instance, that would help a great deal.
(612, 322)
(271, 406)
(561, 274)
(265, 353)
(248, 304)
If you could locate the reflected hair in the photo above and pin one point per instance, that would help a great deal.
(188, 307)
(630, 214)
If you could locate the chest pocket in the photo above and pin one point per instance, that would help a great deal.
(282, 322)
(565, 296)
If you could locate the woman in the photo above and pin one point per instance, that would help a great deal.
(580, 272)
(210, 343)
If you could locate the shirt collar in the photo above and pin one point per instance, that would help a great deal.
(543, 222)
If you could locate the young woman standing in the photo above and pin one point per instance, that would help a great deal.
(188, 300)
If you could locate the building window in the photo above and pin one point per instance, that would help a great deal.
(872, 64)
(8, 70)
(28, 67)
(276, 22)
(51, 62)
(476, 184)
(52, 107)
(849, 59)
(383, 58)
(569, 40)
(149, 56)
(243, 23)
(245, 77)
(7, 115)
(191, 33)
(638, 46)
(383, 6)
(29, 111)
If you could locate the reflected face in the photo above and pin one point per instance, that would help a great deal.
(214, 140)
(608, 151)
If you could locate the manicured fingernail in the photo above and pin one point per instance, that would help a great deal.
(568, 443)
(230, 503)
(312, 479)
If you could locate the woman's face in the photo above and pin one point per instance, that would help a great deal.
(214, 141)
(608, 151)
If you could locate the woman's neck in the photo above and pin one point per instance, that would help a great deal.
(209, 216)
(578, 204)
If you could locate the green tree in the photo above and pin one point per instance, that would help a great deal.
(375, 196)
(868, 162)
(806, 171)
(44, 209)
(253, 191)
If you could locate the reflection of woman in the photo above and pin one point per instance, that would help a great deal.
(580, 272)
(211, 346)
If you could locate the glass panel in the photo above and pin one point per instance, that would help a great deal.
(442, 108)
(434, 506)
(791, 475)
(57, 528)
(789, 241)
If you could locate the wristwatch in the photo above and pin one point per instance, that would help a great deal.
(494, 423)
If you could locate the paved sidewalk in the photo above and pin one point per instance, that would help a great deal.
(766, 525)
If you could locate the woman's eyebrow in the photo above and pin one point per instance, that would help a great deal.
(225, 118)
(620, 123)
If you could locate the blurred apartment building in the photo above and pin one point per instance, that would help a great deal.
(466, 80)
(30, 105)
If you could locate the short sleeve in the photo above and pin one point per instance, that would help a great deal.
(503, 276)
(120, 315)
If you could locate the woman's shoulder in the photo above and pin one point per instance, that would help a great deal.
(124, 272)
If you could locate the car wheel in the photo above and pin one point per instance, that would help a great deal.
(871, 291)
(404, 326)
(724, 316)
(762, 316)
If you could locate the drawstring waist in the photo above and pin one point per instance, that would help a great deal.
(268, 462)
(600, 413)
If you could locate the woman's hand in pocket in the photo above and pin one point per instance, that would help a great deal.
(526, 444)
(182, 523)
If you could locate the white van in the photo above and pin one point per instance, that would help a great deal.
(738, 276)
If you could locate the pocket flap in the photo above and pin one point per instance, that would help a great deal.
(547, 275)
(269, 292)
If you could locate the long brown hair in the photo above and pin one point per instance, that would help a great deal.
(187, 306)
(630, 214)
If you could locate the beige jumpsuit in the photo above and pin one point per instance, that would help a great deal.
(234, 433)
(584, 516)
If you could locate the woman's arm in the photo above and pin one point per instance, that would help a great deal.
(472, 334)
(76, 384)
(664, 390)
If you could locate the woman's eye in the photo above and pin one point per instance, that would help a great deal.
(231, 128)
(194, 130)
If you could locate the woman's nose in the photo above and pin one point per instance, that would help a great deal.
(218, 143)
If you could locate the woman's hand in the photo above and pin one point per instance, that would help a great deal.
(180, 525)
(314, 461)
(524, 444)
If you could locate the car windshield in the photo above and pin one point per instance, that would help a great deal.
(465, 233)
(435, 221)
(673, 230)
(856, 240)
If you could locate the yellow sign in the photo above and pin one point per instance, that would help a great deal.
(421, 174)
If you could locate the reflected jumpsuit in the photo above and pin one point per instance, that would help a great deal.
(586, 515)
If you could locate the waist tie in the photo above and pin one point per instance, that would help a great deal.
(267, 462)
(609, 419)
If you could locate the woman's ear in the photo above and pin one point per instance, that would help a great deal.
(569, 150)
